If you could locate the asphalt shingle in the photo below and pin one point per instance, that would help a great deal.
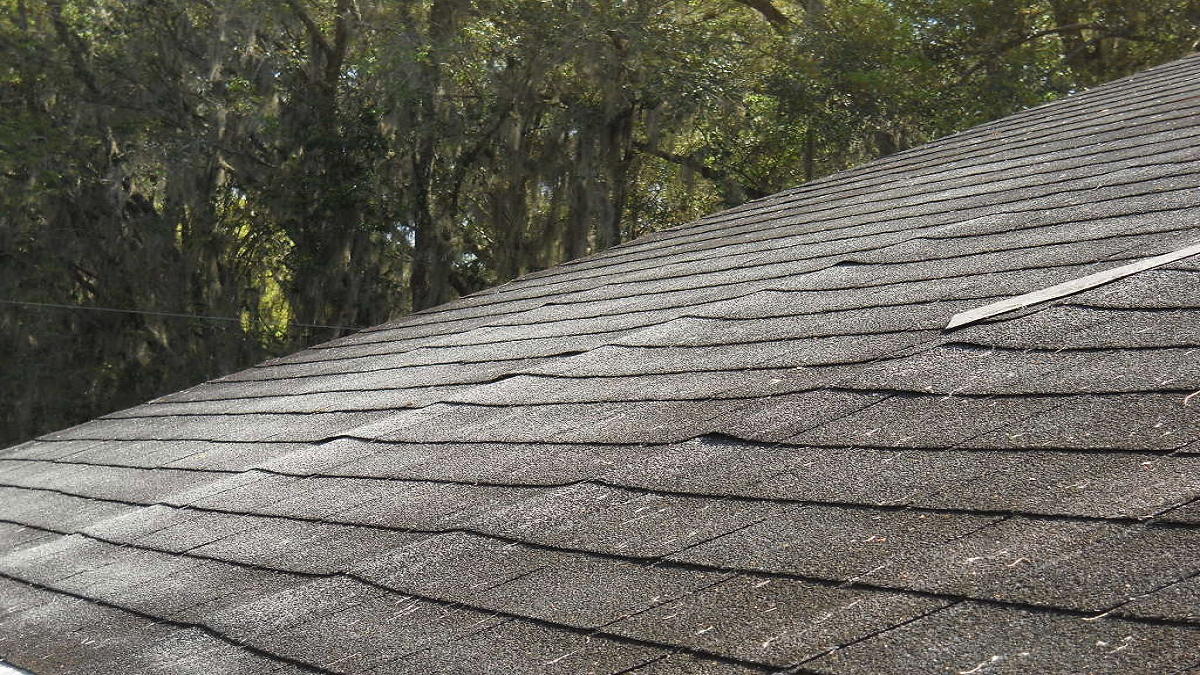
(999, 640)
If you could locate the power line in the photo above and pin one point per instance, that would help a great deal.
(173, 315)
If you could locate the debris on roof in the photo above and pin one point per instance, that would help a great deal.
(1068, 287)
(741, 445)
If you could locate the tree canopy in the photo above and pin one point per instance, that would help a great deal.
(240, 178)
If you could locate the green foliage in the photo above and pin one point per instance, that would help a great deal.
(338, 162)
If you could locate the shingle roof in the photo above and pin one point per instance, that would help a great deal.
(742, 445)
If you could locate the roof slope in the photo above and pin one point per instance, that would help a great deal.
(742, 445)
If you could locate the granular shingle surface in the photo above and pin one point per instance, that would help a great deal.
(741, 445)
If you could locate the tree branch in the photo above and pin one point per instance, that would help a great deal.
(689, 162)
(75, 48)
(343, 30)
(314, 31)
(771, 13)
(1013, 44)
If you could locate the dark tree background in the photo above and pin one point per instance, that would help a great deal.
(274, 163)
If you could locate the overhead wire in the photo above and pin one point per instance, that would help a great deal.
(173, 315)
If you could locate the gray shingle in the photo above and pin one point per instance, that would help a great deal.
(1117, 422)
(924, 421)
(832, 542)
(13, 538)
(523, 649)
(53, 633)
(773, 621)
(283, 609)
(1157, 289)
(1068, 483)
(376, 629)
(103, 482)
(606, 519)
(565, 588)
(506, 463)
(300, 546)
(956, 369)
(785, 418)
(687, 664)
(1178, 601)
(190, 650)
(1089, 567)
(995, 640)
(56, 511)
(628, 422)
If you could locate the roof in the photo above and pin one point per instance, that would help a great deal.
(741, 445)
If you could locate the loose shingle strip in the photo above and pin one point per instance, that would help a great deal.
(1068, 288)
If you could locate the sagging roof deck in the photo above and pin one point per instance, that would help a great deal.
(741, 445)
